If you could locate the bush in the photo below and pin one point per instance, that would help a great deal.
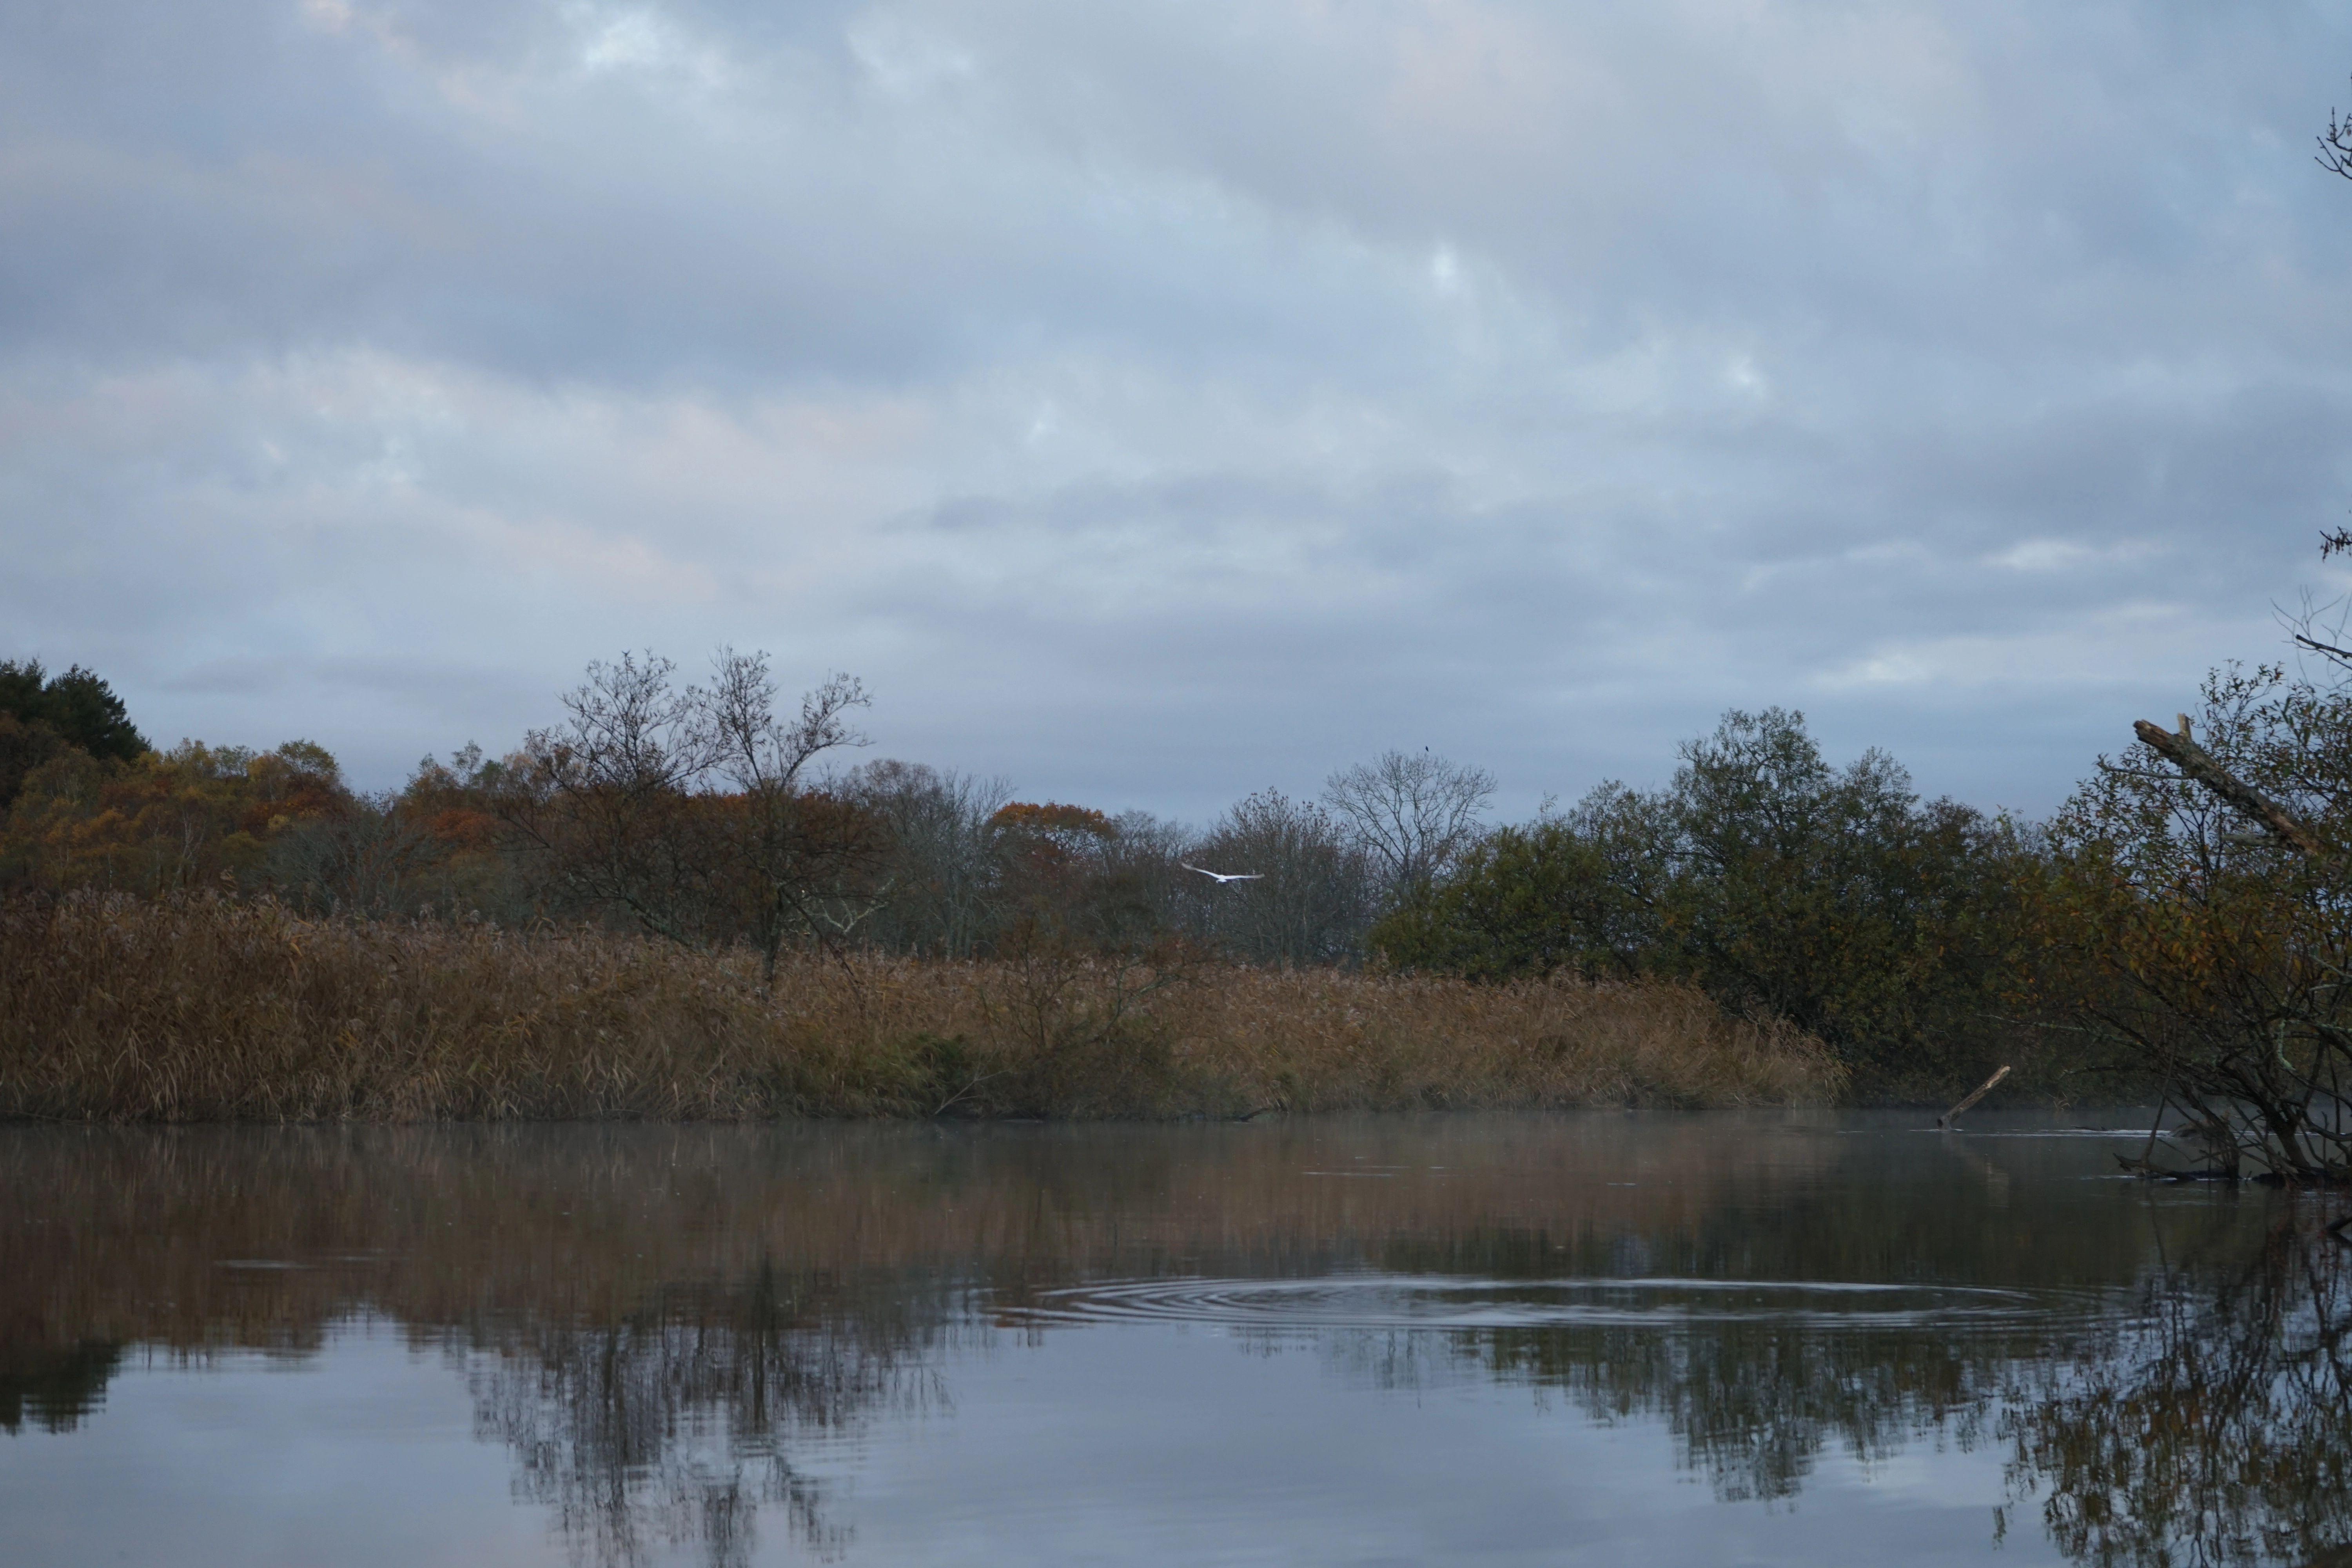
(1783, 887)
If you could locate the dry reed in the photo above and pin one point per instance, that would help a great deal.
(200, 1009)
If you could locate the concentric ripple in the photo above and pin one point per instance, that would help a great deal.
(1427, 1301)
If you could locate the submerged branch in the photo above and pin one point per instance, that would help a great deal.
(1949, 1117)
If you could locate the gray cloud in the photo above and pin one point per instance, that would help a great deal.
(1155, 402)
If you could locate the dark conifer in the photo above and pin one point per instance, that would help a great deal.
(77, 707)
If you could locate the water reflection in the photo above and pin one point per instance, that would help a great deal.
(657, 1325)
(1755, 1379)
(53, 1387)
(673, 1427)
(2212, 1426)
(1409, 1301)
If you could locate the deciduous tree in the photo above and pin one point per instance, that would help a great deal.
(2201, 917)
(1413, 812)
(690, 809)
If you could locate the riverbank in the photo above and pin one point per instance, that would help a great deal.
(210, 1010)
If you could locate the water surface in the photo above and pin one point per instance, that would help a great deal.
(1700, 1338)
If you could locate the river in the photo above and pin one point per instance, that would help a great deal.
(1603, 1338)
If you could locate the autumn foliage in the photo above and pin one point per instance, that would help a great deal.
(2174, 930)
(674, 903)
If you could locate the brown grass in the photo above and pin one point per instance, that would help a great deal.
(114, 1009)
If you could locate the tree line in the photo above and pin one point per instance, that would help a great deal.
(2182, 926)
(713, 813)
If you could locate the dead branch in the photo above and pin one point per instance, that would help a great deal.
(2198, 763)
(1946, 1121)
(2341, 655)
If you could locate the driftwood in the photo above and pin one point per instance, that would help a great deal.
(1946, 1121)
(2193, 759)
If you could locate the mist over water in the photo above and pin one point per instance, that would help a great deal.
(1689, 1338)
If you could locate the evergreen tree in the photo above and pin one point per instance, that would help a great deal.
(78, 708)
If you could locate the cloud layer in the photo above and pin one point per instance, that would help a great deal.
(1157, 402)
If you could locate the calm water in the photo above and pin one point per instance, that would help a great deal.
(1662, 1339)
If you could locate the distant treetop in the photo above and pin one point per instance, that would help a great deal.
(1052, 819)
(76, 706)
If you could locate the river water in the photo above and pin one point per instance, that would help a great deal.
(1657, 1338)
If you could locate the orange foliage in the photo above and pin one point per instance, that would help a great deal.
(1053, 820)
(167, 821)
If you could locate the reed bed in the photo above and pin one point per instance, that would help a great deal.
(114, 1009)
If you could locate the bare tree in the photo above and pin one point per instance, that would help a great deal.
(1141, 884)
(942, 870)
(798, 851)
(361, 861)
(1312, 899)
(606, 796)
(2209, 907)
(1413, 812)
(689, 808)
(2219, 902)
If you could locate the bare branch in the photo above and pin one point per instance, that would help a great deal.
(761, 754)
(2335, 146)
(1416, 813)
(2341, 655)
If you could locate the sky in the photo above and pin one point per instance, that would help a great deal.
(1153, 402)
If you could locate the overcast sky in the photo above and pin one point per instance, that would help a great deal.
(1154, 401)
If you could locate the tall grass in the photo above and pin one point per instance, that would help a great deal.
(201, 1009)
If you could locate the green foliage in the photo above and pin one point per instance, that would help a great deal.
(1530, 900)
(1833, 899)
(1837, 900)
(2180, 935)
(24, 748)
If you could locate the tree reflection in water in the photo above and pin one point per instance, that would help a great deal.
(2207, 1423)
(53, 1389)
(1751, 1406)
(657, 1324)
(673, 1427)
(2212, 1427)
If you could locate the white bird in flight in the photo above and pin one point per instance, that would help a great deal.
(1222, 878)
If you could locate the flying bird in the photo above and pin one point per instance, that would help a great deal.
(1220, 878)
